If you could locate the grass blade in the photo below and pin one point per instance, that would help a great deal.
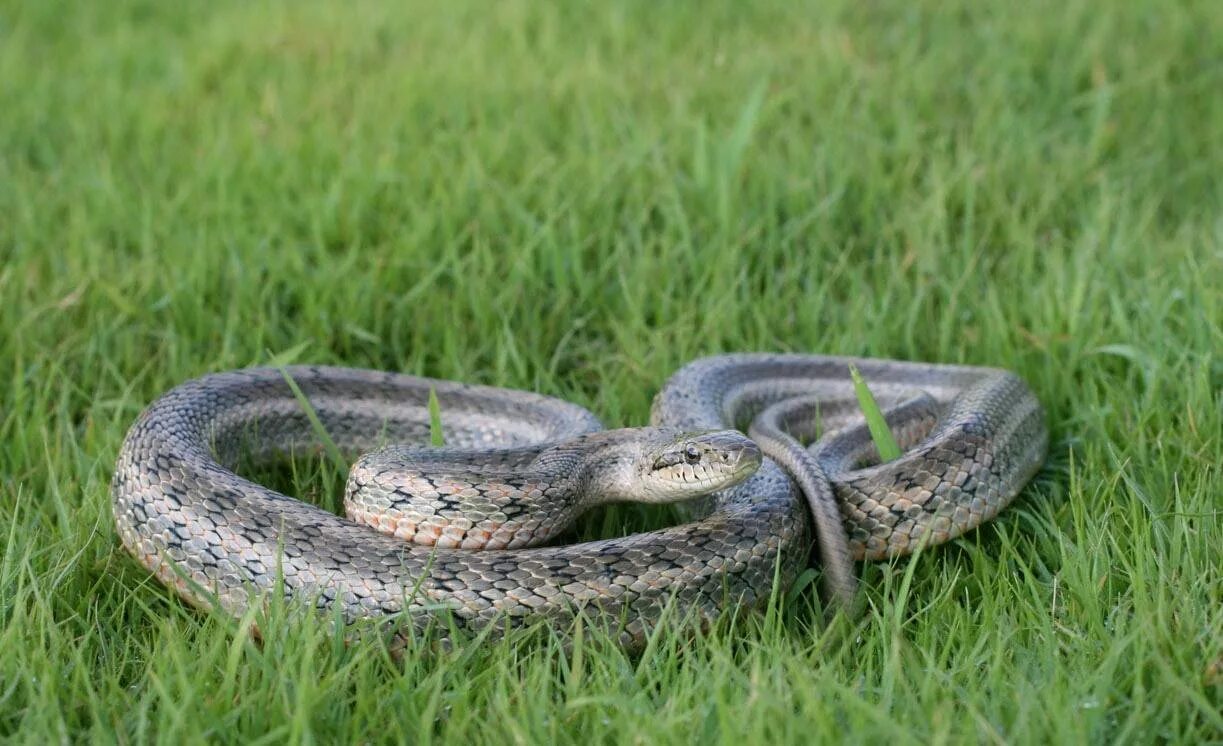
(880, 432)
(435, 420)
(333, 451)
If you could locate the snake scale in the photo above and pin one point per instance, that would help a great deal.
(457, 528)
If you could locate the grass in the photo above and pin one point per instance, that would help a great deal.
(436, 436)
(577, 199)
(881, 434)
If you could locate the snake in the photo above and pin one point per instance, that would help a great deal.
(763, 455)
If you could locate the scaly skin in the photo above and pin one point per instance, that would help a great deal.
(216, 537)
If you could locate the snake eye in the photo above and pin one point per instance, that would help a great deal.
(692, 453)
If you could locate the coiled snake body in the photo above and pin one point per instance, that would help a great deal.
(518, 467)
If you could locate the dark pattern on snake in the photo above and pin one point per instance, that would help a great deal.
(974, 438)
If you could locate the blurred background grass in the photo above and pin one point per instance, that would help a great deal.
(577, 199)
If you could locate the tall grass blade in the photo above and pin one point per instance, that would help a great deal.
(333, 451)
(880, 432)
(435, 420)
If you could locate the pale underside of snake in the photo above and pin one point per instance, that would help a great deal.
(455, 529)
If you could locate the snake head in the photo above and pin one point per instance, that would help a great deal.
(657, 465)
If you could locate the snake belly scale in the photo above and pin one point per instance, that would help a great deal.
(461, 522)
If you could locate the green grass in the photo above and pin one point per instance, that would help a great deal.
(577, 199)
(881, 434)
(436, 436)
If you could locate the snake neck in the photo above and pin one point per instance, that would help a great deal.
(521, 497)
(595, 469)
(488, 499)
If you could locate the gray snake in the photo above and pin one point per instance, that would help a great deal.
(973, 438)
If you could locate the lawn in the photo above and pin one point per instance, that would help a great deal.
(577, 199)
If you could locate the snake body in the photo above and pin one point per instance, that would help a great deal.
(974, 436)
